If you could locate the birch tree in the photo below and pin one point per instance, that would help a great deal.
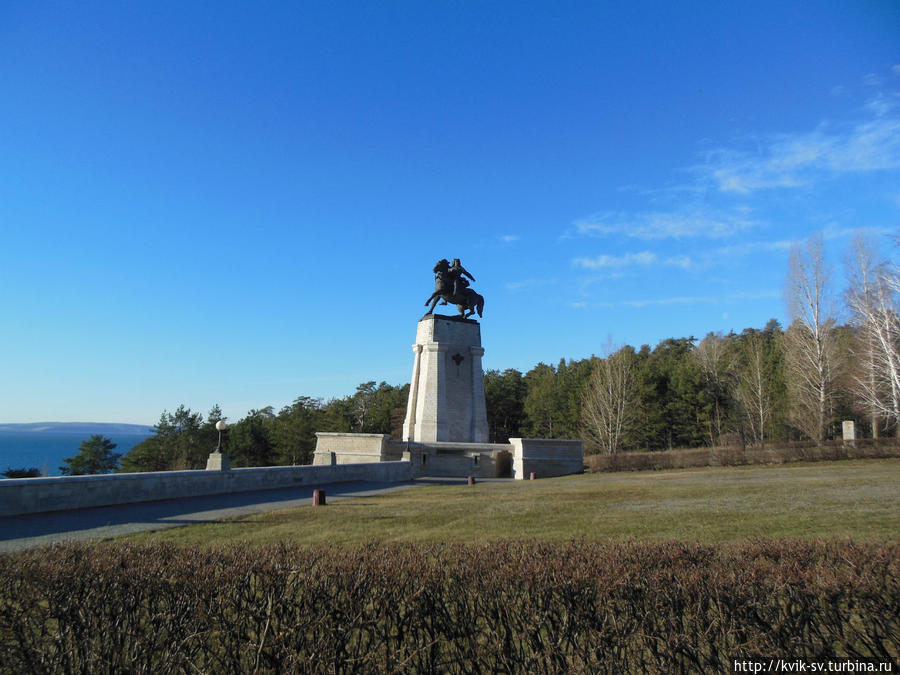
(711, 355)
(811, 363)
(608, 400)
(754, 391)
(872, 297)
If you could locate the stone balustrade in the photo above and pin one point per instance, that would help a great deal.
(34, 495)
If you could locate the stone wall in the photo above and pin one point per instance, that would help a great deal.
(32, 495)
(341, 448)
(517, 459)
(546, 457)
(482, 460)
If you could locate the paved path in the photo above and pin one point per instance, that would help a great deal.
(39, 529)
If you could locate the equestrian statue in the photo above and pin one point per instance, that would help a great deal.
(451, 286)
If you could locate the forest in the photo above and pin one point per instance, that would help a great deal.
(761, 386)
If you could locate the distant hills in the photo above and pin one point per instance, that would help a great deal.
(103, 428)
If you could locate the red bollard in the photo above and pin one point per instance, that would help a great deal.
(318, 497)
(471, 480)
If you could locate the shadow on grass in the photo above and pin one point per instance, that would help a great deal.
(174, 512)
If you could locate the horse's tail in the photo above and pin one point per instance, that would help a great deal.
(480, 305)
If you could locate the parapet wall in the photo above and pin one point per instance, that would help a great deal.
(482, 460)
(342, 448)
(33, 495)
(546, 457)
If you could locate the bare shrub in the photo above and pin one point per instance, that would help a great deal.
(737, 456)
(505, 607)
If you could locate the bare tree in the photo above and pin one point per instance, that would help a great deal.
(811, 363)
(711, 355)
(872, 297)
(607, 405)
(754, 390)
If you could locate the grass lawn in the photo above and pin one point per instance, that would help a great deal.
(856, 499)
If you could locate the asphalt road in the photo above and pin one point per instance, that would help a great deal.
(41, 529)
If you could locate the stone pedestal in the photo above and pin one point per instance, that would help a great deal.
(849, 431)
(446, 395)
(218, 461)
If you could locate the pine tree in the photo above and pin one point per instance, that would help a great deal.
(95, 455)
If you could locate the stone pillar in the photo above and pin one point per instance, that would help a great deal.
(446, 395)
(409, 424)
(849, 431)
(218, 461)
(479, 429)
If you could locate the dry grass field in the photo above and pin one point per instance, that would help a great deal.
(855, 499)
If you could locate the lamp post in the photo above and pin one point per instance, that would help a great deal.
(218, 460)
(220, 427)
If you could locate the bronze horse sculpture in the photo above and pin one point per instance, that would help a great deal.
(467, 301)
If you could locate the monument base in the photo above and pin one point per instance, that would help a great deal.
(517, 459)
(218, 461)
(446, 397)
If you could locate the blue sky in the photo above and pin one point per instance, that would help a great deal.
(241, 203)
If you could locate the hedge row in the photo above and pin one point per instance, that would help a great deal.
(507, 607)
(738, 456)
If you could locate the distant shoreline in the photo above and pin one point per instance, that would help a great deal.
(77, 428)
(45, 446)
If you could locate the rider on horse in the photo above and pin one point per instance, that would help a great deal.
(450, 286)
(457, 273)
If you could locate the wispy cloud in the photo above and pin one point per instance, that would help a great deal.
(794, 160)
(528, 283)
(751, 247)
(678, 300)
(755, 295)
(873, 80)
(509, 238)
(581, 304)
(694, 221)
(610, 261)
(681, 261)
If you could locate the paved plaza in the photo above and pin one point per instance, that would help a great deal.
(40, 529)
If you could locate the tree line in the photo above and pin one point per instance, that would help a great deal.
(760, 386)
(183, 439)
(768, 385)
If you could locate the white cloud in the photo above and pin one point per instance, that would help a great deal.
(873, 80)
(755, 295)
(694, 221)
(793, 160)
(834, 231)
(682, 261)
(679, 300)
(528, 283)
(509, 238)
(896, 69)
(882, 105)
(581, 304)
(750, 247)
(607, 261)
(686, 300)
